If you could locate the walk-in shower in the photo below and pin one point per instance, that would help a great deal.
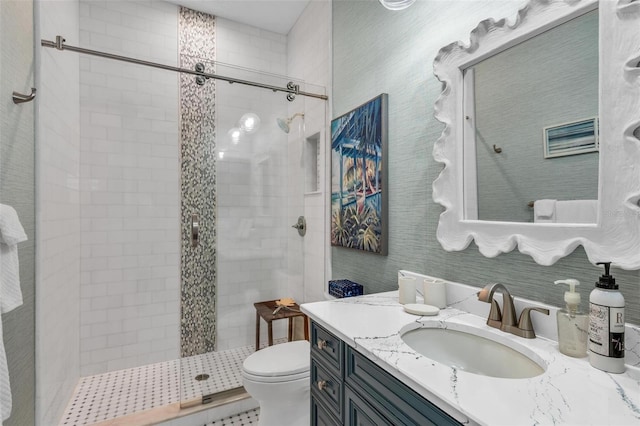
(188, 194)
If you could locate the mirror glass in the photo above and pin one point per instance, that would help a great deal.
(532, 128)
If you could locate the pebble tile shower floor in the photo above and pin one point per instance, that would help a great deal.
(119, 393)
(243, 419)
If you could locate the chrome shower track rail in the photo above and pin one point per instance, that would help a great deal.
(291, 89)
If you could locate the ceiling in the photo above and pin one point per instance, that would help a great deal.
(273, 15)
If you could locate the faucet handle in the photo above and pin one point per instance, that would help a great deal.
(486, 295)
(525, 326)
(495, 316)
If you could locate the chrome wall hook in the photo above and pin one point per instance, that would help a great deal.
(19, 98)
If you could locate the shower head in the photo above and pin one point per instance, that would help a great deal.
(284, 123)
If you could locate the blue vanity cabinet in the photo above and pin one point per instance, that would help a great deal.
(327, 379)
(327, 348)
(388, 396)
(349, 389)
(359, 412)
(320, 415)
(327, 389)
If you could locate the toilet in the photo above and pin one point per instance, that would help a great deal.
(278, 378)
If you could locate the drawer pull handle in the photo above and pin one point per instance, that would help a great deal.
(322, 344)
(322, 384)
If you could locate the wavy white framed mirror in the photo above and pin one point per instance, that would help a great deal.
(576, 123)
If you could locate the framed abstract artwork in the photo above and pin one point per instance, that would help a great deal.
(359, 141)
(577, 137)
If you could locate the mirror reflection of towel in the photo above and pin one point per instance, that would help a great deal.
(577, 211)
(544, 210)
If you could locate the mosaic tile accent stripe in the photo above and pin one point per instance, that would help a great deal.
(198, 186)
(197, 34)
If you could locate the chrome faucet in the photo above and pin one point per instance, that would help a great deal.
(506, 320)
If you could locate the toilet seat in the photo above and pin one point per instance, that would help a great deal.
(279, 363)
(275, 379)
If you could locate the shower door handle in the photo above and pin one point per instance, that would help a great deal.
(195, 230)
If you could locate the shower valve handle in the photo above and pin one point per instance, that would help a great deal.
(301, 226)
(195, 230)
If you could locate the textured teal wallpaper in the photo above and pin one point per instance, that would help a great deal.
(379, 51)
(17, 189)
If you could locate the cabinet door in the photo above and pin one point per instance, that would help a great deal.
(360, 413)
(320, 416)
(326, 387)
(327, 348)
(389, 396)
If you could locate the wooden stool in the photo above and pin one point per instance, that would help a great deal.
(265, 310)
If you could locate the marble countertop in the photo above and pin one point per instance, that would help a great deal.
(570, 391)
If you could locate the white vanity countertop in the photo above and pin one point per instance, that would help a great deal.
(569, 392)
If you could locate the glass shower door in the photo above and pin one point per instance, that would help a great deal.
(256, 186)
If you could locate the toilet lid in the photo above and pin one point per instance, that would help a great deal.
(284, 359)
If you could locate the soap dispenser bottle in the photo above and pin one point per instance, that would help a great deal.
(573, 324)
(606, 324)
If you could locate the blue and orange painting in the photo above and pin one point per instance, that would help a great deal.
(358, 178)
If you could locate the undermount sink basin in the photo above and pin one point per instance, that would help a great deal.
(472, 353)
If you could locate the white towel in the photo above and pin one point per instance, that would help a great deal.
(11, 230)
(577, 211)
(544, 211)
(11, 233)
(5, 386)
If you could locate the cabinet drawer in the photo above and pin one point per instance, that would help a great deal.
(358, 413)
(397, 401)
(320, 416)
(327, 347)
(326, 387)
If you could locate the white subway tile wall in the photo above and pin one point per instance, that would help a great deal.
(309, 58)
(130, 187)
(251, 181)
(251, 47)
(58, 213)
